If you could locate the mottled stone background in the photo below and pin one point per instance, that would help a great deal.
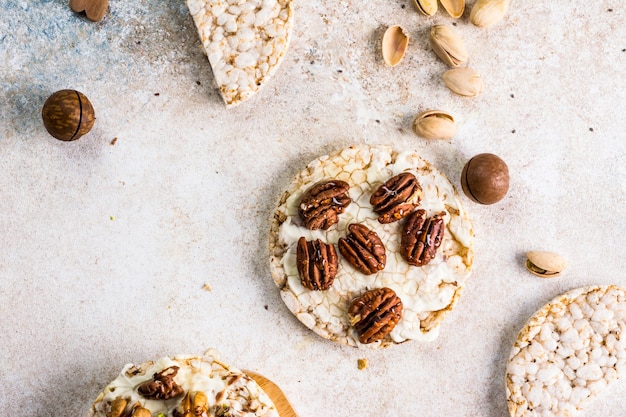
(106, 242)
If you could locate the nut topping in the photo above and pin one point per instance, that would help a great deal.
(396, 198)
(363, 249)
(421, 237)
(188, 408)
(117, 407)
(140, 412)
(317, 264)
(162, 385)
(375, 314)
(322, 203)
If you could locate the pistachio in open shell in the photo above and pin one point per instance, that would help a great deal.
(454, 8)
(464, 81)
(485, 178)
(448, 45)
(68, 114)
(395, 42)
(426, 7)
(545, 264)
(434, 124)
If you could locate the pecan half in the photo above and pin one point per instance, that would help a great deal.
(162, 385)
(396, 198)
(421, 237)
(322, 203)
(317, 264)
(375, 313)
(363, 249)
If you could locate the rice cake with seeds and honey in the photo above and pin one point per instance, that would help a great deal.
(183, 386)
(245, 42)
(417, 296)
(568, 353)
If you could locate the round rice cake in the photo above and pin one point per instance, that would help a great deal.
(427, 292)
(170, 386)
(568, 352)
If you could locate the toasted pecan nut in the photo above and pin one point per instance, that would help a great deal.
(375, 313)
(317, 264)
(363, 249)
(322, 203)
(396, 198)
(421, 237)
(162, 385)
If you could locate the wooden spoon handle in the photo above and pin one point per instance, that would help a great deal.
(275, 393)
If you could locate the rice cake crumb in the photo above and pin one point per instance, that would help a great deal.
(569, 351)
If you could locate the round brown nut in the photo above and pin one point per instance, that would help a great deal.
(68, 115)
(485, 178)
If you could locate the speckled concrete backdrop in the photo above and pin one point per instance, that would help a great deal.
(105, 248)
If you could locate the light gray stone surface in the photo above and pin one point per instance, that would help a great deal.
(105, 248)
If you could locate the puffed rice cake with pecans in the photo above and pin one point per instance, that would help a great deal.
(568, 353)
(170, 386)
(245, 42)
(427, 293)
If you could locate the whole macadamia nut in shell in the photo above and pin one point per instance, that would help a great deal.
(68, 115)
(485, 178)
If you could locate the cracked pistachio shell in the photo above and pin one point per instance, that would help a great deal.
(464, 81)
(454, 8)
(545, 264)
(488, 12)
(448, 45)
(434, 124)
(395, 42)
(426, 7)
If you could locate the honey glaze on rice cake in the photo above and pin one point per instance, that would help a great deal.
(391, 294)
(183, 386)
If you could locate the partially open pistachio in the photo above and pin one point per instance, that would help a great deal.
(448, 45)
(488, 12)
(426, 7)
(464, 81)
(395, 42)
(545, 264)
(454, 8)
(434, 124)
